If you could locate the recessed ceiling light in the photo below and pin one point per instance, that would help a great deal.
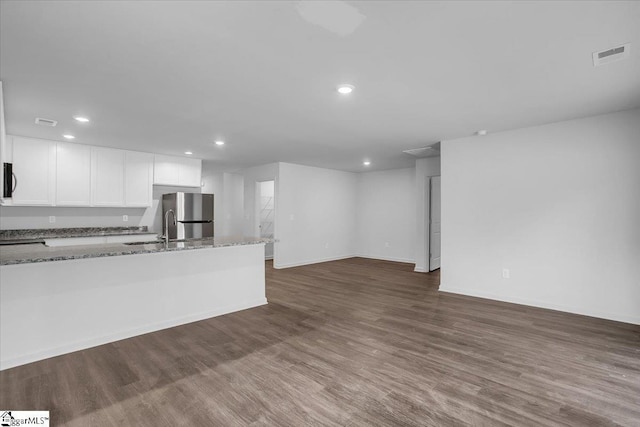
(188, 153)
(219, 142)
(366, 163)
(81, 119)
(68, 136)
(345, 89)
(482, 132)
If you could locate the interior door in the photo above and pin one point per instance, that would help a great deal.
(434, 224)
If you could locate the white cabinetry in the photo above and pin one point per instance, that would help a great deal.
(73, 174)
(53, 173)
(165, 171)
(138, 179)
(177, 171)
(121, 178)
(107, 177)
(190, 172)
(34, 164)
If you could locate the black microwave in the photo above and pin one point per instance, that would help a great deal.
(9, 180)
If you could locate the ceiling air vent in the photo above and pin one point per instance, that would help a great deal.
(611, 55)
(429, 151)
(45, 122)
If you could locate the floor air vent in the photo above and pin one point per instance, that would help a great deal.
(614, 54)
(45, 122)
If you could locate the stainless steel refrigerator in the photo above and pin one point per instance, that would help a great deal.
(193, 215)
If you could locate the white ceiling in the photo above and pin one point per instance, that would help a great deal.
(173, 76)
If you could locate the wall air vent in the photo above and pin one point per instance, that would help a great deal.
(45, 122)
(614, 54)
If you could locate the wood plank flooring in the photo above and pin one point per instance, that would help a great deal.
(349, 343)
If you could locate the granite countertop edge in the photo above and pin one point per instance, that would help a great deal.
(63, 233)
(128, 250)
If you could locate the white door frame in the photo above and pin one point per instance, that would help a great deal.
(427, 221)
(256, 214)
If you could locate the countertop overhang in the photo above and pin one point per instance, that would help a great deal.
(34, 253)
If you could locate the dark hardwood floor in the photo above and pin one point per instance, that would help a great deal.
(355, 342)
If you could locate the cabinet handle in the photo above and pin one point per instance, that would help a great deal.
(15, 182)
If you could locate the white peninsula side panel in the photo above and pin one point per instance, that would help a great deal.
(51, 308)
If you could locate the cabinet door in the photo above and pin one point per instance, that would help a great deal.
(189, 172)
(165, 170)
(107, 177)
(138, 182)
(34, 164)
(73, 174)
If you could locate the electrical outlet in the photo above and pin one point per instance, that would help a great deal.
(125, 218)
(505, 273)
(326, 246)
(386, 244)
(52, 220)
(291, 217)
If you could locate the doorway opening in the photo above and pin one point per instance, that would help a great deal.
(265, 215)
(434, 223)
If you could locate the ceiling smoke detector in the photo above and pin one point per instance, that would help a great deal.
(46, 122)
(613, 54)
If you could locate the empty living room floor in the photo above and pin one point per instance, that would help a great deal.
(356, 342)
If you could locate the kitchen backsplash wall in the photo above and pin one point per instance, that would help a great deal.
(20, 217)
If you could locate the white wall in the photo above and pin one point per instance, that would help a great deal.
(558, 205)
(213, 183)
(315, 215)
(425, 168)
(386, 215)
(233, 204)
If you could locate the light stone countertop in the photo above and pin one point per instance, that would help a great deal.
(33, 253)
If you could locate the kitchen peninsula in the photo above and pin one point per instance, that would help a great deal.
(55, 300)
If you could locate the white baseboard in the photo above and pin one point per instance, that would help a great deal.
(82, 345)
(420, 270)
(311, 261)
(635, 320)
(387, 258)
(317, 261)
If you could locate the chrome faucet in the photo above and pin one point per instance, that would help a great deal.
(166, 225)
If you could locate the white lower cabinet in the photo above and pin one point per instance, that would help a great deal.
(34, 166)
(73, 174)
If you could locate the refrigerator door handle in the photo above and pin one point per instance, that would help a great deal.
(196, 221)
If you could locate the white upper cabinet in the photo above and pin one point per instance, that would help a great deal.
(73, 174)
(50, 173)
(190, 172)
(107, 177)
(138, 179)
(165, 170)
(177, 171)
(34, 165)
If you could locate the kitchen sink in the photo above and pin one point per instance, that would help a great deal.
(154, 242)
(150, 242)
